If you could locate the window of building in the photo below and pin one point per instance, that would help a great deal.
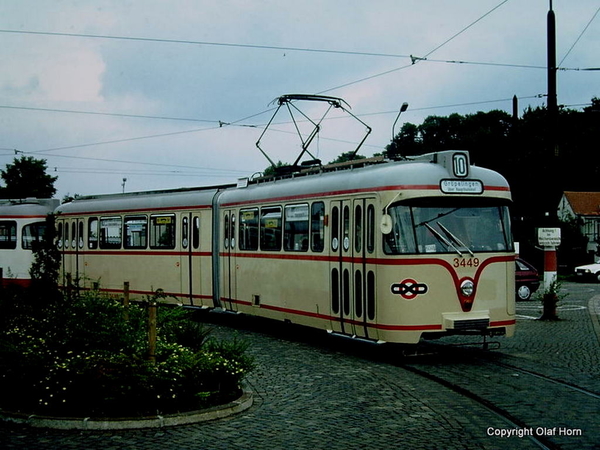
(162, 231)
(136, 232)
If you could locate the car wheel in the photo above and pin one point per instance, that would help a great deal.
(523, 292)
(598, 277)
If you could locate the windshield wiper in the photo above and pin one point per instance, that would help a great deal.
(456, 240)
(442, 239)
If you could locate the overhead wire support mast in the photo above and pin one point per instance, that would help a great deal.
(288, 100)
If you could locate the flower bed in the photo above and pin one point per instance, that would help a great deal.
(87, 356)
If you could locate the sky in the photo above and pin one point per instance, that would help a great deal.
(169, 94)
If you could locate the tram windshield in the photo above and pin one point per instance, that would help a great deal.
(438, 228)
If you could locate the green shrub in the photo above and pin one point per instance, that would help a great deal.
(85, 357)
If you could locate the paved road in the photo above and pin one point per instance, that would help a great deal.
(315, 392)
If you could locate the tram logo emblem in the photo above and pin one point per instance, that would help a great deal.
(409, 288)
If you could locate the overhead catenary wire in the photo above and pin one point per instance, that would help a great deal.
(268, 47)
(417, 59)
(577, 40)
(116, 141)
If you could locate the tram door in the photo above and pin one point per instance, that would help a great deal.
(71, 244)
(351, 274)
(228, 260)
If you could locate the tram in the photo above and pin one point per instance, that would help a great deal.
(384, 250)
(22, 222)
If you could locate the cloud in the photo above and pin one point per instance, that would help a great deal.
(44, 72)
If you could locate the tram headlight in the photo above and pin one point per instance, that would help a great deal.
(467, 287)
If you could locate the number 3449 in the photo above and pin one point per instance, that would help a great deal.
(466, 262)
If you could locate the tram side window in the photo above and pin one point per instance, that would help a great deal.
(59, 235)
(74, 234)
(196, 232)
(346, 242)
(370, 228)
(335, 228)
(110, 232)
(249, 229)
(136, 232)
(358, 228)
(296, 228)
(80, 234)
(185, 231)
(8, 234)
(162, 231)
(66, 241)
(270, 228)
(33, 232)
(317, 228)
(93, 232)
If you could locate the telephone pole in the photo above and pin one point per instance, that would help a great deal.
(552, 95)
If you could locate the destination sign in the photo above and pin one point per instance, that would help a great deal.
(461, 186)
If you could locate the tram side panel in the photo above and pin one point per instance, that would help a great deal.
(149, 250)
(273, 262)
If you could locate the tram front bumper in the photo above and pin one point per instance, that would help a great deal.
(461, 322)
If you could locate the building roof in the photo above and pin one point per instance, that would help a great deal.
(584, 203)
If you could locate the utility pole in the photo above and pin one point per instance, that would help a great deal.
(552, 95)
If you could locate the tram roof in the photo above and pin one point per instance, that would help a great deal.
(387, 176)
(27, 207)
(193, 197)
(421, 173)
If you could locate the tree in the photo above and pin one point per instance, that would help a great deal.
(27, 177)
(45, 268)
(346, 156)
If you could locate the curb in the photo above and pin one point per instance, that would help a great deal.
(128, 423)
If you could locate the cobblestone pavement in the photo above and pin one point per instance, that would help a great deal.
(316, 392)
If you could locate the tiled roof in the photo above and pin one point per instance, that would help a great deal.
(584, 203)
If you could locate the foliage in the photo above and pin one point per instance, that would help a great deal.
(46, 265)
(27, 177)
(272, 169)
(85, 357)
(347, 156)
(550, 297)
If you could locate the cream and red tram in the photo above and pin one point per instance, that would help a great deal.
(22, 222)
(392, 251)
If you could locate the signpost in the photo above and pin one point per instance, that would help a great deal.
(549, 239)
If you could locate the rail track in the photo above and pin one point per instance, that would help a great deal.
(549, 412)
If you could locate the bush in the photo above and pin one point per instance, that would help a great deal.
(85, 357)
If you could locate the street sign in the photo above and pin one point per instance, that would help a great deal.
(549, 237)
